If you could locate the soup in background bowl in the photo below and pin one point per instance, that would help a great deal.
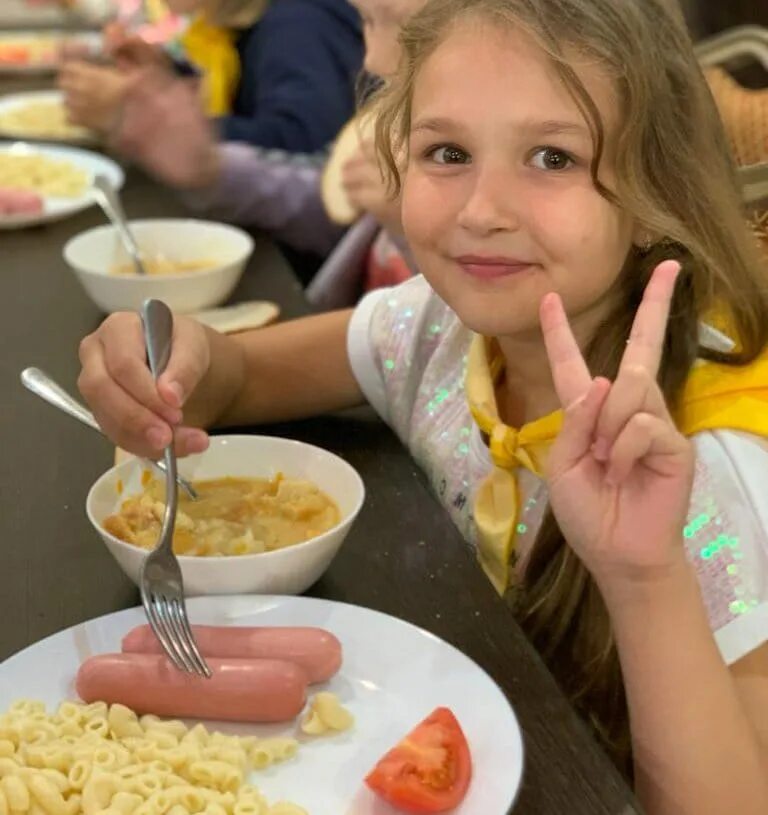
(221, 250)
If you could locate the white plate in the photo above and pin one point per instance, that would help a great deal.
(393, 676)
(90, 40)
(11, 101)
(58, 208)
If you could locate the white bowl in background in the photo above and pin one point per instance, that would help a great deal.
(291, 570)
(94, 253)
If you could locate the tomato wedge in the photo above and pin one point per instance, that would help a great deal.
(429, 770)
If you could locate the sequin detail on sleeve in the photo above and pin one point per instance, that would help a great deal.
(713, 539)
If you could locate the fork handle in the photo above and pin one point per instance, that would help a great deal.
(157, 321)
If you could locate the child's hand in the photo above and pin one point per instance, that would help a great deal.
(367, 191)
(135, 412)
(163, 128)
(619, 473)
(93, 94)
(129, 51)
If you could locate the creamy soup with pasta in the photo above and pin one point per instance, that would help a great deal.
(233, 516)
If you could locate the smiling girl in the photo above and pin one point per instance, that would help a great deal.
(581, 370)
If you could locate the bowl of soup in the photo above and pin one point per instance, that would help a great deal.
(270, 516)
(191, 264)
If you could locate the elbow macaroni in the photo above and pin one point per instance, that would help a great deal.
(105, 760)
(326, 714)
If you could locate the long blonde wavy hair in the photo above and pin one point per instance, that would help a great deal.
(676, 178)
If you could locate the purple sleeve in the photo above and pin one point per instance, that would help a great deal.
(271, 190)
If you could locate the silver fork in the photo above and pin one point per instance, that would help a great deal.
(160, 579)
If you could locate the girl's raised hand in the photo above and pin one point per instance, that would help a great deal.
(620, 472)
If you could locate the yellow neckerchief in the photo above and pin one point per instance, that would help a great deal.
(212, 50)
(715, 397)
(156, 10)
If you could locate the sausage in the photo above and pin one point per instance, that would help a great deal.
(240, 690)
(317, 651)
(19, 202)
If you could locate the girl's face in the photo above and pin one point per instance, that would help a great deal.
(382, 21)
(498, 204)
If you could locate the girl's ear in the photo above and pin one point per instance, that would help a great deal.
(642, 238)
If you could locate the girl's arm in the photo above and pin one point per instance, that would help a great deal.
(696, 745)
(293, 370)
(299, 68)
(282, 372)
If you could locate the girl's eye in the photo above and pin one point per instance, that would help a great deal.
(448, 154)
(550, 158)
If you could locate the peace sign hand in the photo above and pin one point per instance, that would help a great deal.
(619, 473)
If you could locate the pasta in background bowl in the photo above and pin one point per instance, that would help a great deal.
(290, 570)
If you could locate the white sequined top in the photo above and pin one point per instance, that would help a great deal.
(408, 351)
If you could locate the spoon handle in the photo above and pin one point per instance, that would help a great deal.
(43, 386)
(106, 197)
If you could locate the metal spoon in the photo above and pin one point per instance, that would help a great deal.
(46, 388)
(107, 198)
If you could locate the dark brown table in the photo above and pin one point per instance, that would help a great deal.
(55, 572)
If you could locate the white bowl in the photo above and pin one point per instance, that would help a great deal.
(94, 253)
(284, 571)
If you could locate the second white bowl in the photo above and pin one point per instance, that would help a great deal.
(93, 255)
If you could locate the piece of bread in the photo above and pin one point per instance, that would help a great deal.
(239, 317)
(347, 144)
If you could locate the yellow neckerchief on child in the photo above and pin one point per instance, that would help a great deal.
(715, 397)
(212, 50)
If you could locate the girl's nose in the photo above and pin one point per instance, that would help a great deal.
(491, 204)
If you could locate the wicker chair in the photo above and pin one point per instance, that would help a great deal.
(744, 111)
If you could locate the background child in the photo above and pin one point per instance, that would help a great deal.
(275, 74)
(163, 129)
(565, 184)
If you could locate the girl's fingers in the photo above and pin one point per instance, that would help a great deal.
(190, 440)
(634, 391)
(569, 370)
(579, 422)
(127, 422)
(645, 439)
(123, 354)
(646, 340)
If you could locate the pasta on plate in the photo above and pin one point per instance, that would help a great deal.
(99, 760)
(326, 715)
(41, 120)
(43, 175)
